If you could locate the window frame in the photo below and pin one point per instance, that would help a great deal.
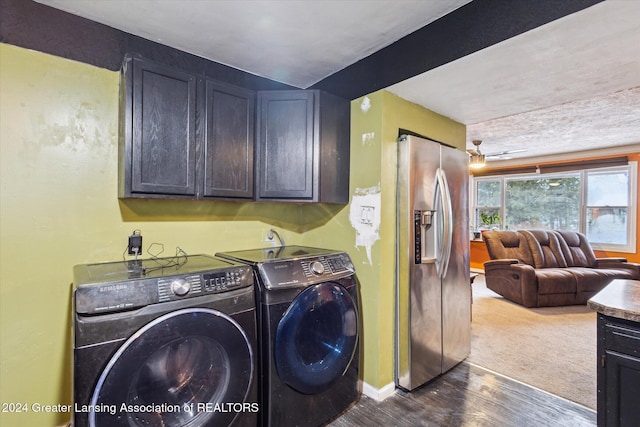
(631, 168)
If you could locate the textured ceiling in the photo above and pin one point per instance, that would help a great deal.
(570, 85)
(604, 121)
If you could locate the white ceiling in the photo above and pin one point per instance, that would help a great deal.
(298, 42)
(570, 85)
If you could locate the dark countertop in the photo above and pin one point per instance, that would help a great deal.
(621, 299)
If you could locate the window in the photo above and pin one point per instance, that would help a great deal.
(607, 206)
(601, 203)
(489, 197)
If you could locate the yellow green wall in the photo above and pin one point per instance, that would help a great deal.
(374, 132)
(59, 207)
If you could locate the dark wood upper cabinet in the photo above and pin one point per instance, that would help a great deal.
(302, 149)
(158, 120)
(228, 141)
(183, 136)
(188, 136)
(285, 145)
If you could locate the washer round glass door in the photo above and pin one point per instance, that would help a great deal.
(317, 337)
(186, 368)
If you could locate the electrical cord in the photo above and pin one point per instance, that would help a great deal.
(178, 260)
(154, 251)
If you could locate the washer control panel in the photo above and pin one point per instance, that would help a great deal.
(126, 295)
(225, 281)
(172, 288)
(175, 287)
(305, 271)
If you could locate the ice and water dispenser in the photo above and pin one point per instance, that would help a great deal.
(424, 236)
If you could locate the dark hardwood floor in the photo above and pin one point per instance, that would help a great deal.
(469, 395)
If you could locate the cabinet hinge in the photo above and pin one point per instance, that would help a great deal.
(602, 360)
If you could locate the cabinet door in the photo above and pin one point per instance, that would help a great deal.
(619, 372)
(286, 145)
(162, 148)
(228, 141)
(622, 390)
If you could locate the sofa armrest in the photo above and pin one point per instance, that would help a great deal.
(513, 280)
(497, 263)
(610, 259)
(619, 263)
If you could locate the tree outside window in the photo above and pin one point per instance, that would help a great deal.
(549, 203)
(489, 199)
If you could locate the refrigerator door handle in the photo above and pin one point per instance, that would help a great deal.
(446, 230)
(438, 204)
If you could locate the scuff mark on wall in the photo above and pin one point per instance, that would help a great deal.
(368, 138)
(364, 215)
(365, 104)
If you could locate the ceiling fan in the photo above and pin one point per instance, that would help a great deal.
(478, 160)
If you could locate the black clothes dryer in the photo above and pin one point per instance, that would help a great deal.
(165, 342)
(308, 311)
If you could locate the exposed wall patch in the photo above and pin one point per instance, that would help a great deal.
(364, 215)
(365, 104)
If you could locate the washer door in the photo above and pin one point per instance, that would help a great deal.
(183, 369)
(317, 338)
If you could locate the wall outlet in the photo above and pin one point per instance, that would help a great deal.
(366, 214)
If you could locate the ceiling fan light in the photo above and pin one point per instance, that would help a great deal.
(477, 162)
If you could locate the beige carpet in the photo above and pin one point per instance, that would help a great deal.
(550, 348)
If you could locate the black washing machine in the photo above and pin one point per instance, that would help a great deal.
(308, 327)
(165, 342)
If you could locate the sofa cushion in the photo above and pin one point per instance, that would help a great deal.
(506, 244)
(555, 281)
(545, 248)
(594, 279)
(576, 249)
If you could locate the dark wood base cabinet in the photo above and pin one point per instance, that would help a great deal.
(618, 372)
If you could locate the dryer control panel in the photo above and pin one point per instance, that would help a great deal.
(305, 271)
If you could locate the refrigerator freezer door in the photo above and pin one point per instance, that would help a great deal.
(418, 292)
(456, 287)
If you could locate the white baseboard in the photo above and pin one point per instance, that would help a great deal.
(378, 394)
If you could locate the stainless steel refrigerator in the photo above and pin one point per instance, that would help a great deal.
(433, 295)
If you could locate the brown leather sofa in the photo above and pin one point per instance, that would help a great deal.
(538, 268)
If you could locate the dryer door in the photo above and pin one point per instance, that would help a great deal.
(317, 338)
(189, 367)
